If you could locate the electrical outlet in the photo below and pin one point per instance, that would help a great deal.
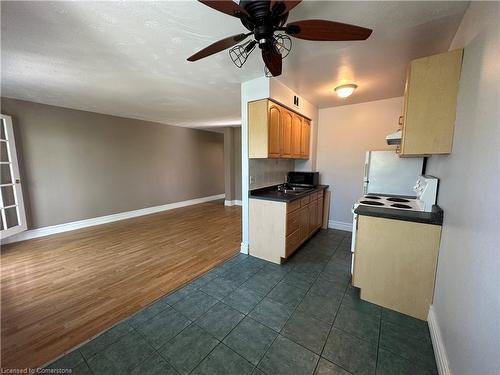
(252, 180)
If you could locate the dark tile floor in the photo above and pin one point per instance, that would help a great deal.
(250, 316)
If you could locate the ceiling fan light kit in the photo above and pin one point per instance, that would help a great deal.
(343, 91)
(263, 19)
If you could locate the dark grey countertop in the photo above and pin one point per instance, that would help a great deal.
(434, 217)
(269, 193)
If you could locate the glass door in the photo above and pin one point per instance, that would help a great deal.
(12, 214)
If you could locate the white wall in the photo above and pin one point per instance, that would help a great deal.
(345, 133)
(467, 295)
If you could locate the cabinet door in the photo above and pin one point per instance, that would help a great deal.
(304, 222)
(319, 211)
(312, 216)
(304, 139)
(286, 133)
(395, 252)
(274, 125)
(430, 104)
(296, 133)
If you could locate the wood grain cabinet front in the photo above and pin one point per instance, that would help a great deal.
(293, 222)
(277, 132)
(286, 134)
(278, 229)
(274, 131)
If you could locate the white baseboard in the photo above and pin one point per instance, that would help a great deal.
(340, 225)
(438, 344)
(244, 248)
(232, 203)
(53, 229)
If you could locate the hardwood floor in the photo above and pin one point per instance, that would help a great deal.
(61, 290)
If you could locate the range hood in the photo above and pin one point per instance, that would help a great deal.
(394, 138)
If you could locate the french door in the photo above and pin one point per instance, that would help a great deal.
(12, 214)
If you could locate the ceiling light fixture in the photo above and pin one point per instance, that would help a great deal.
(344, 91)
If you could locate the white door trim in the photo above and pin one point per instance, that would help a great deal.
(59, 228)
(15, 182)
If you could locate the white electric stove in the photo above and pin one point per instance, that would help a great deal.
(398, 203)
(426, 193)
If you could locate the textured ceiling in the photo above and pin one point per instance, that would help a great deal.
(129, 58)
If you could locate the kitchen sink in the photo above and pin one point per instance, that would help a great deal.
(293, 190)
(301, 189)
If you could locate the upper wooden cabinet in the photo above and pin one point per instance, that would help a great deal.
(304, 139)
(286, 136)
(277, 132)
(274, 147)
(296, 136)
(430, 101)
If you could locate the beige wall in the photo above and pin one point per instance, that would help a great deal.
(345, 133)
(467, 295)
(77, 165)
(232, 163)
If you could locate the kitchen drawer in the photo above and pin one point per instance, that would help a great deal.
(292, 206)
(319, 194)
(314, 196)
(292, 221)
(292, 242)
(305, 201)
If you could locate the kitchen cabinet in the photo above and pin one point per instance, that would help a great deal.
(304, 139)
(296, 136)
(277, 229)
(277, 132)
(429, 106)
(275, 115)
(395, 263)
(286, 136)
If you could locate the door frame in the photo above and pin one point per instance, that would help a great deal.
(15, 183)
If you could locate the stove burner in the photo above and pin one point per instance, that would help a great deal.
(398, 200)
(398, 205)
(372, 203)
(372, 197)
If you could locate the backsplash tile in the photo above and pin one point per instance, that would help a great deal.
(265, 172)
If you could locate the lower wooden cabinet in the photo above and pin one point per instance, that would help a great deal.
(277, 229)
(395, 263)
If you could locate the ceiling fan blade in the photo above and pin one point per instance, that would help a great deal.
(227, 7)
(272, 59)
(218, 46)
(288, 5)
(326, 30)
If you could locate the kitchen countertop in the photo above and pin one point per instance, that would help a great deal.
(434, 217)
(271, 194)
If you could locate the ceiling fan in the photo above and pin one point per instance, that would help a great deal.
(265, 18)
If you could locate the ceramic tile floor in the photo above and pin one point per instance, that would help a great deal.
(249, 316)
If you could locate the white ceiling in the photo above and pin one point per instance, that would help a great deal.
(129, 58)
